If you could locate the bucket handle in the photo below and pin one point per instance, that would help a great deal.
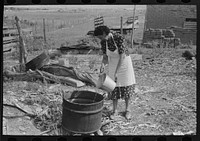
(105, 95)
(102, 68)
(76, 94)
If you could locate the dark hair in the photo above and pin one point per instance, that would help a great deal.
(100, 29)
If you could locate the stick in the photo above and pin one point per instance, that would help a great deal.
(46, 75)
(19, 108)
(44, 31)
(132, 35)
(134, 129)
(47, 131)
(23, 53)
(122, 25)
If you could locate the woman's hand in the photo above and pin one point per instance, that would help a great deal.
(121, 58)
(102, 68)
(115, 77)
(105, 59)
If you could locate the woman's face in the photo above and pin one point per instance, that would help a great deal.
(102, 37)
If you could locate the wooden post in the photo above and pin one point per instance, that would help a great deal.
(122, 25)
(44, 31)
(22, 49)
(53, 24)
(132, 35)
(35, 27)
(145, 24)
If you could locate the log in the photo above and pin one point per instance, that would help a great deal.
(59, 70)
(7, 50)
(67, 80)
(41, 75)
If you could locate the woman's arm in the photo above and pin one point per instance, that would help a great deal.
(105, 59)
(119, 42)
(121, 58)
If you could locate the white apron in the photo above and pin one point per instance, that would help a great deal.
(125, 74)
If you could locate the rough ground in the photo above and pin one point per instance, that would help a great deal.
(164, 103)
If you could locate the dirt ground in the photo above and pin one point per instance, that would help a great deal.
(164, 102)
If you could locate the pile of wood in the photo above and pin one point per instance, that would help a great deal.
(166, 36)
(168, 33)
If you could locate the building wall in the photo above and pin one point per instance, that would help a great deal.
(186, 36)
(165, 16)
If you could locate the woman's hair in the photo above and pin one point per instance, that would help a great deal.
(100, 29)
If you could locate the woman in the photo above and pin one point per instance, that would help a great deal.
(116, 55)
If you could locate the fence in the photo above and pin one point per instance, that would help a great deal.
(190, 25)
(98, 21)
(10, 37)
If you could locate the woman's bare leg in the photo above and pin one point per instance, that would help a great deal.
(115, 112)
(115, 102)
(127, 103)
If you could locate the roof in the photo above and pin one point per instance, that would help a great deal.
(79, 47)
(126, 26)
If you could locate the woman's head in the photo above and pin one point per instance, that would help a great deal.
(101, 32)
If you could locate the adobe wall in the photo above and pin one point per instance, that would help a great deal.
(166, 35)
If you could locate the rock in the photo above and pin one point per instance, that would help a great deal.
(38, 109)
(148, 114)
(10, 93)
(21, 128)
(99, 132)
(187, 55)
(177, 133)
(27, 118)
(4, 122)
(190, 133)
(137, 90)
(54, 88)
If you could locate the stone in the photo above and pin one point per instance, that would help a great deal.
(21, 128)
(177, 133)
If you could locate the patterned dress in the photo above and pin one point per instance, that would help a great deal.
(112, 47)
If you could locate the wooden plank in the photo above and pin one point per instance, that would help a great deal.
(9, 38)
(14, 31)
(10, 31)
(9, 42)
(6, 46)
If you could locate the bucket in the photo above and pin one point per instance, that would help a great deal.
(38, 62)
(82, 112)
(106, 83)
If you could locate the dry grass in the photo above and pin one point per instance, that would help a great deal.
(165, 100)
(163, 76)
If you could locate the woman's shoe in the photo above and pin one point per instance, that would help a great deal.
(99, 132)
(128, 115)
(113, 115)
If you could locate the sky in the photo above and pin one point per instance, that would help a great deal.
(80, 6)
